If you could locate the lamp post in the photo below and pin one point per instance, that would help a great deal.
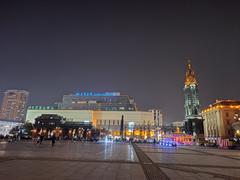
(121, 127)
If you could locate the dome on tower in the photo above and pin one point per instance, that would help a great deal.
(190, 75)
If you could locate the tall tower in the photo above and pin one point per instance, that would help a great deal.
(192, 105)
(193, 119)
(14, 105)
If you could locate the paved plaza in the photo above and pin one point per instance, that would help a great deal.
(110, 161)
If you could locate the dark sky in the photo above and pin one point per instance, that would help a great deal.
(51, 48)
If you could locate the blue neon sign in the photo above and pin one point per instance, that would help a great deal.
(97, 94)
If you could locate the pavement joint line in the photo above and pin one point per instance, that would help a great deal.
(146, 163)
(198, 165)
(201, 154)
(199, 171)
(4, 159)
(212, 154)
(154, 147)
(150, 169)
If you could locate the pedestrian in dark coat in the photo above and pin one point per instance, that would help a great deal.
(41, 138)
(53, 139)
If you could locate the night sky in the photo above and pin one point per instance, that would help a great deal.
(139, 48)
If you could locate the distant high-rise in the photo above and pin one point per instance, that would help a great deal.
(193, 118)
(14, 105)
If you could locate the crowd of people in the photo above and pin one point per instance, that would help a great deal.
(40, 138)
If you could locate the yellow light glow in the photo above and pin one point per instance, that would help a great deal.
(151, 133)
(116, 133)
(128, 133)
(136, 133)
(34, 130)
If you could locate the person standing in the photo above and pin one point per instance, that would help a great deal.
(41, 138)
(154, 141)
(53, 139)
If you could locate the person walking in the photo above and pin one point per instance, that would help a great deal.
(53, 139)
(154, 141)
(41, 138)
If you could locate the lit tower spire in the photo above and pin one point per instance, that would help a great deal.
(192, 105)
(190, 75)
(193, 119)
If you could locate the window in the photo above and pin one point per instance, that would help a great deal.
(105, 122)
(121, 108)
(113, 122)
(228, 121)
(100, 122)
(227, 114)
(109, 122)
(117, 122)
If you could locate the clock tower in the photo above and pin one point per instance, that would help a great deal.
(193, 118)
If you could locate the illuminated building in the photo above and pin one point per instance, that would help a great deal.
(193, 119)
(134, 121)
(172, 127)
(236, 125)
(7, 125)
(107, 101)
(158, 117)
(176, 124)
(14, 105)
(219, 118)
(102, 111)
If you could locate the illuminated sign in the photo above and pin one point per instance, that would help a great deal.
(131, 126)
(41, 107)
(97, 94)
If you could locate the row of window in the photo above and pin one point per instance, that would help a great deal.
(108, 122)
(215, 133)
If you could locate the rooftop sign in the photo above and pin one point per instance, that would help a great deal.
(97, 94)
(41, 108)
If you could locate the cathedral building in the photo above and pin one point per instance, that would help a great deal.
(193, 118)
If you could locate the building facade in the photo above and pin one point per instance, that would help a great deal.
(14, 105)
(193, 118)
(109, 112)
(218, 119)
(108, 120)
(157, 116)
(132, 120)
(107, 101)
(7, 125)
(173, 127)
